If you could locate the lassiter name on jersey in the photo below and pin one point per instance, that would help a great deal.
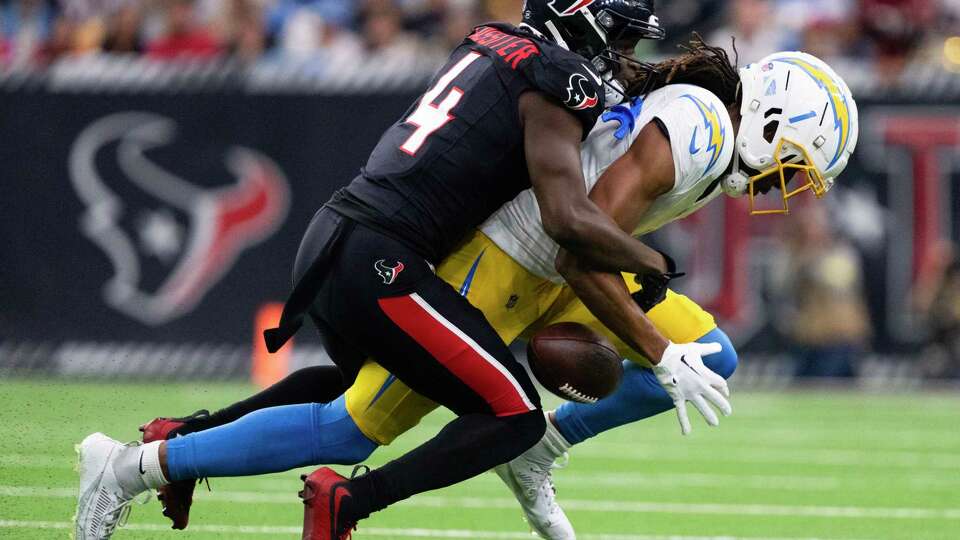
(457, 155)
(701, 141)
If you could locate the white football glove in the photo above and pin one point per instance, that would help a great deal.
(682, 374)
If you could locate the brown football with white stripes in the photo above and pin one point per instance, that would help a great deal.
(574, 362)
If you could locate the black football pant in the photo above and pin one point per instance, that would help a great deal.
(381, 299)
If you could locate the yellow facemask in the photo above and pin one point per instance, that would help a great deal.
(815, 181)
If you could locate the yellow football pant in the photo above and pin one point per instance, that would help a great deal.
(516, 303)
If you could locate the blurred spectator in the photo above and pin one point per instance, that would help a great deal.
(890, 34)
(896, 29)
(383, 34)
(752, 24)
(182, 36)
(827, 317)
(241, 29)
(341, 13)
(61, 39)
(88, 36)
(829, 39)
(504, 10)
(937, 300)
(425, 17)
(25, 28)
(443, 22)
(824, 28)
(681, 17)
(317, 31)
(458, 21)
(123, 30)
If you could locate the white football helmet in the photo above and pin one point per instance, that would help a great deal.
(796, 113)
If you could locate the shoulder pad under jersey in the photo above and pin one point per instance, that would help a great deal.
(547, 67)
(701, 134)
(570, 79)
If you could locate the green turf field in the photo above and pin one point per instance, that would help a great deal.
(786, 466)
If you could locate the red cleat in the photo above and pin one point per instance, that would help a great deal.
(323, 492)
(175, 497)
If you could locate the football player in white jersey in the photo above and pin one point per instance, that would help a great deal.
(649, 162)
(794, 126)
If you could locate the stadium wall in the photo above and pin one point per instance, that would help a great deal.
(144, 225)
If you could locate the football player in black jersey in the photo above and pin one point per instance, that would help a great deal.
(506, 112)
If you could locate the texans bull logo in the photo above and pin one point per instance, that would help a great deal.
(388, 273)
(168, 239)
(580, 95)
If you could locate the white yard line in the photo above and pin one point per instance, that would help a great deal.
(380, 531)
(637, 507)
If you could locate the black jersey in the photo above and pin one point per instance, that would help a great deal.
(457, 154)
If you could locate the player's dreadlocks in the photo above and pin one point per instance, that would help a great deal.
(702, 65)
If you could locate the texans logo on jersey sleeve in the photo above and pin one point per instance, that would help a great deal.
(580, 95)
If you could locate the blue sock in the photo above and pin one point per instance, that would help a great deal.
(271, 440)
(639, 396)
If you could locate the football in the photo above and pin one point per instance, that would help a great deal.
(574, 362)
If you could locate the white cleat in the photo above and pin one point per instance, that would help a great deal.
(102, 503)
(530, 479)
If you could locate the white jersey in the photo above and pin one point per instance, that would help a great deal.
(701, 141)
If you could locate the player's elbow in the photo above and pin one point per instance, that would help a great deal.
(557, 227)
(567, 226)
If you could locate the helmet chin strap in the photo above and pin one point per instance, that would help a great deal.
(736, 183)
(556, 35)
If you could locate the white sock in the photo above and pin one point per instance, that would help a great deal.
(138, 468)
(553, 440)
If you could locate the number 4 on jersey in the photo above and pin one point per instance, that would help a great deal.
(429, 117)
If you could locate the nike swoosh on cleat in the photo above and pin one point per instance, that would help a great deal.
(141, 464)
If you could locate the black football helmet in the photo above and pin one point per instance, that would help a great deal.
(602, 31)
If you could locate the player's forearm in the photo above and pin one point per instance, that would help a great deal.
(607, 297)
(600, 244)
(552, 150)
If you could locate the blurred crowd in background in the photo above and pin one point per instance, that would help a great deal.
(888, 33)
(825, 318)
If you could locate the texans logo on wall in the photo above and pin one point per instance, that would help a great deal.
(169, 239)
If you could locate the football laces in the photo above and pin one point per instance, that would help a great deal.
(576, 395)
